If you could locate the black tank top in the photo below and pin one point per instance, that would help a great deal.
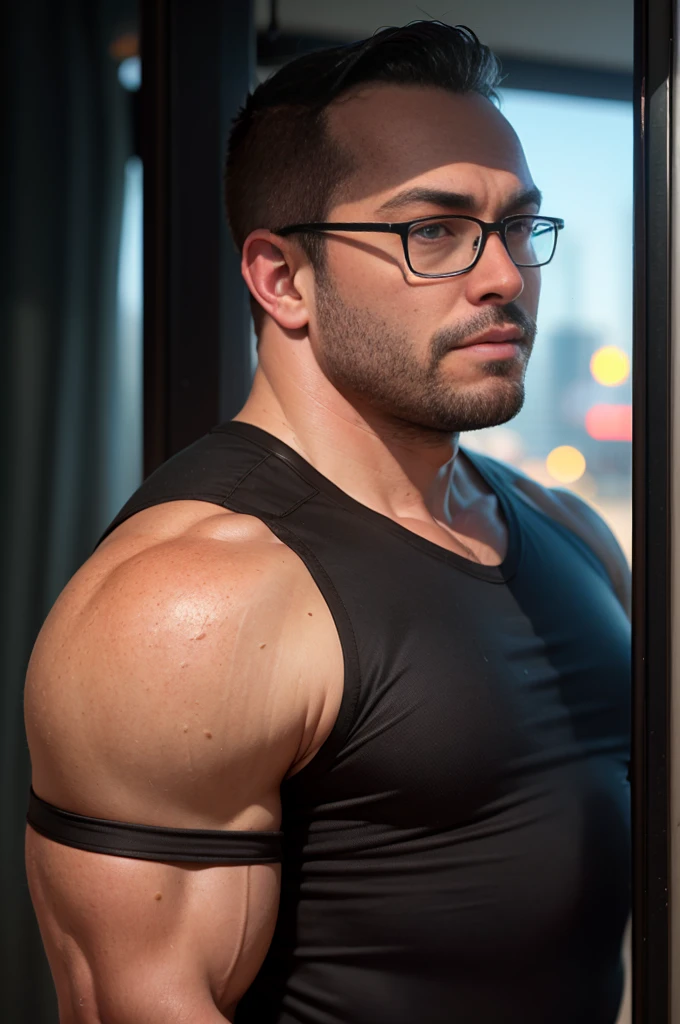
(458, 850)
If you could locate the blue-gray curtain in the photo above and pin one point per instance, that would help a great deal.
(67, 133)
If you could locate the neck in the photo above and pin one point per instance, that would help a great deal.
(401, 473)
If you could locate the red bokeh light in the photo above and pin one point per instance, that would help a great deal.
(610, 422)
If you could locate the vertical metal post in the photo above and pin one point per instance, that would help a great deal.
(651, 515)
(674, 887)
(237, 77)
(197, 65)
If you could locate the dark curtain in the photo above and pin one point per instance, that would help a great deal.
(66, 135)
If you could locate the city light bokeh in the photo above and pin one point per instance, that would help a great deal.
(566, 464)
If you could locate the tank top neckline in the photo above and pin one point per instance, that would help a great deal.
(501, 573)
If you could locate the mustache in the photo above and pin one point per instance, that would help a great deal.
(494, 316)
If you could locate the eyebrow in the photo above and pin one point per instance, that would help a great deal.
(457, 200)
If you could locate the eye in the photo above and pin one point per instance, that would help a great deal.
(432, 232)
(524, 228)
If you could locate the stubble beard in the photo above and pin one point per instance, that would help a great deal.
(371, 363)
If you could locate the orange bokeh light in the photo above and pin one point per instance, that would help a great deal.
(610, 366)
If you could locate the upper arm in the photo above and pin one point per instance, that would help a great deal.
(169, 697)
(136, 940)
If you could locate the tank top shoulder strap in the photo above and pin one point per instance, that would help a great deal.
(594, 536)
(235, 465)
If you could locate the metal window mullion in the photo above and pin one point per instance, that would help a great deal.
(197, 66)
(651, 515)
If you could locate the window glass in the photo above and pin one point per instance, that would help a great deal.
(125, 469)
(574, 430)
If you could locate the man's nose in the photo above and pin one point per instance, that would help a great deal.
(495, 277)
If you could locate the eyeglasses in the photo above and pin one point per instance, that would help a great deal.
(452, 245)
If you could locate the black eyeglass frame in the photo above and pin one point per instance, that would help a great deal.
(403, 229)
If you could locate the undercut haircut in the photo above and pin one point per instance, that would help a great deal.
(283, 167)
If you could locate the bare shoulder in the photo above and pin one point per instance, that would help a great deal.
(182, 672)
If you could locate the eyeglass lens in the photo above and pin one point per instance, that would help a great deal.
(450, 244)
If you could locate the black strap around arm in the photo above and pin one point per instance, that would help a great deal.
(150, 842)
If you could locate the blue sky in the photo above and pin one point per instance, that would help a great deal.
(580, 153)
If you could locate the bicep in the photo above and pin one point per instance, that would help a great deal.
(132, 940)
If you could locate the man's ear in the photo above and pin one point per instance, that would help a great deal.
(269, 266)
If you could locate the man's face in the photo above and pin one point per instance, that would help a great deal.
(389, 340)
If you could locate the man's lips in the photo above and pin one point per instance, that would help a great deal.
(496, 343)
(495, 336)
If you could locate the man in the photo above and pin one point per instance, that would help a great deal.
(333, 726)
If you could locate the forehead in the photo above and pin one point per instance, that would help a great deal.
(400, 133)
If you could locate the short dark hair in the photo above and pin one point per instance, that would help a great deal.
(282, 166)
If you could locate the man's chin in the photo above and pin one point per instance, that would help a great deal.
(445, 425)
(496, 402)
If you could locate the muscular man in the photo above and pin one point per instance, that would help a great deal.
(332, 728)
